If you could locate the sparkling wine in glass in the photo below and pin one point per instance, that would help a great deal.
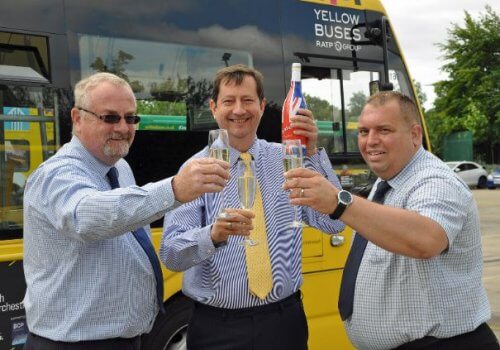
(247, 188)
(292, 158)
(218, 148)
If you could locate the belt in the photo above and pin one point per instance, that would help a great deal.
(481, 333)
(250, 311)
(45, 343)
(421, 343)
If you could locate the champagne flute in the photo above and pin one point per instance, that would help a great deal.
(247, 187)
(218, 148)
(292, 158)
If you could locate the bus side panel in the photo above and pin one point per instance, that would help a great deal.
(321, 292)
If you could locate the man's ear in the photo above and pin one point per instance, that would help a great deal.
(416, 135)
(213, 107)
(76, 119)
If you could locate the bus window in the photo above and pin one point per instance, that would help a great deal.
(337, 99)
(356, 91)
(27, 138)
(23, 57)
(172, 82)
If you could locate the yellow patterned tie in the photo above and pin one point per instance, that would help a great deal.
(260, 278)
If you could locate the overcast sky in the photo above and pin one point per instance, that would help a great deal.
(419, 24)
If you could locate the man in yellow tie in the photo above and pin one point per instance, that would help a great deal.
(246, 296)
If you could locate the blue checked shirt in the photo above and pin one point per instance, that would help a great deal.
(399, 299)
(87, 276)
(218, 276)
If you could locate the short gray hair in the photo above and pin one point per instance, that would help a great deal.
(84, 86)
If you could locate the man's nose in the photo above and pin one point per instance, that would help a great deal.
(239, 108)
(122, 125)
(372, 137)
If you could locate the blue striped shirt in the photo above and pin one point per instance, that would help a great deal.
(87, 276)
(217, 276)
(399, 299)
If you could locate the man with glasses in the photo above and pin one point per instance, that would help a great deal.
(93, 278)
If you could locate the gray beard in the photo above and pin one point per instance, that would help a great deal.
(120, 153)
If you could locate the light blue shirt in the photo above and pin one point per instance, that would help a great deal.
(399, 299)
(218, 276)
(87, 276)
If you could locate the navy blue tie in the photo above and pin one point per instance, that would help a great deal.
(143, 239)
(346, 295)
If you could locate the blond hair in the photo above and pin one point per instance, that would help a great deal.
(84, 86)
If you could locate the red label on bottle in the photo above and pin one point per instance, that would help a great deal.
(293, 102)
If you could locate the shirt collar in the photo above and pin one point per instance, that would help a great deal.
(254, 150)
(407, 172)
(89, 158)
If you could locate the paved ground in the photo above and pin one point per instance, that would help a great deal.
(488, 202)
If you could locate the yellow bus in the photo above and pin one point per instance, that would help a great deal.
(169, 51)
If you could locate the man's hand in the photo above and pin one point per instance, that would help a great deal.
(199, 176)
(306, 126)
(238, 222)
(310, 188)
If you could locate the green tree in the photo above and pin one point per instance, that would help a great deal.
(469, 99)
(322, 109)
(356, 104)
(118, 67)
(422, 97)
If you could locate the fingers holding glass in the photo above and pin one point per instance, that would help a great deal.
(218, 148)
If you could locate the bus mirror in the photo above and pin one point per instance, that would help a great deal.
(374, 35)
(376, 86)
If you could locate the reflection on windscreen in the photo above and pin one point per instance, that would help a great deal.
(172, 82)
(337, 115)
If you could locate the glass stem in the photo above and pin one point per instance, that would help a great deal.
(296, 210)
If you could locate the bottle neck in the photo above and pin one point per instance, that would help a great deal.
(296, 75)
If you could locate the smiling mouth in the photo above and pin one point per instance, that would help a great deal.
(118, 140)
(240, 120)
(374, 153)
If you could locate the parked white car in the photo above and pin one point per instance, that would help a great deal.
(494, 178)
(473, 174)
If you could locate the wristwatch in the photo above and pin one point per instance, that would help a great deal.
(344, 199)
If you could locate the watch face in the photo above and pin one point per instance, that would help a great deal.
(345, 197)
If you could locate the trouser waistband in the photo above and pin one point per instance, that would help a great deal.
(250, 311)
(112, 343)
(480, 334)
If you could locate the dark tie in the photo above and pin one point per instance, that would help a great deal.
(143, 239)
(346, 295)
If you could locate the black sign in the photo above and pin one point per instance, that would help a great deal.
(13, 328)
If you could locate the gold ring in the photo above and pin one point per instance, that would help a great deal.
(229, 225)
(302, 193)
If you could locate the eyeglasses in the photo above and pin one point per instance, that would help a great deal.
(114, 118)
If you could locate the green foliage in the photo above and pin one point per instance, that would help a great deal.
(161, 107)
(355, 106)
(321, 108)
(118, 68)
(422, 97)
(469, 99)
